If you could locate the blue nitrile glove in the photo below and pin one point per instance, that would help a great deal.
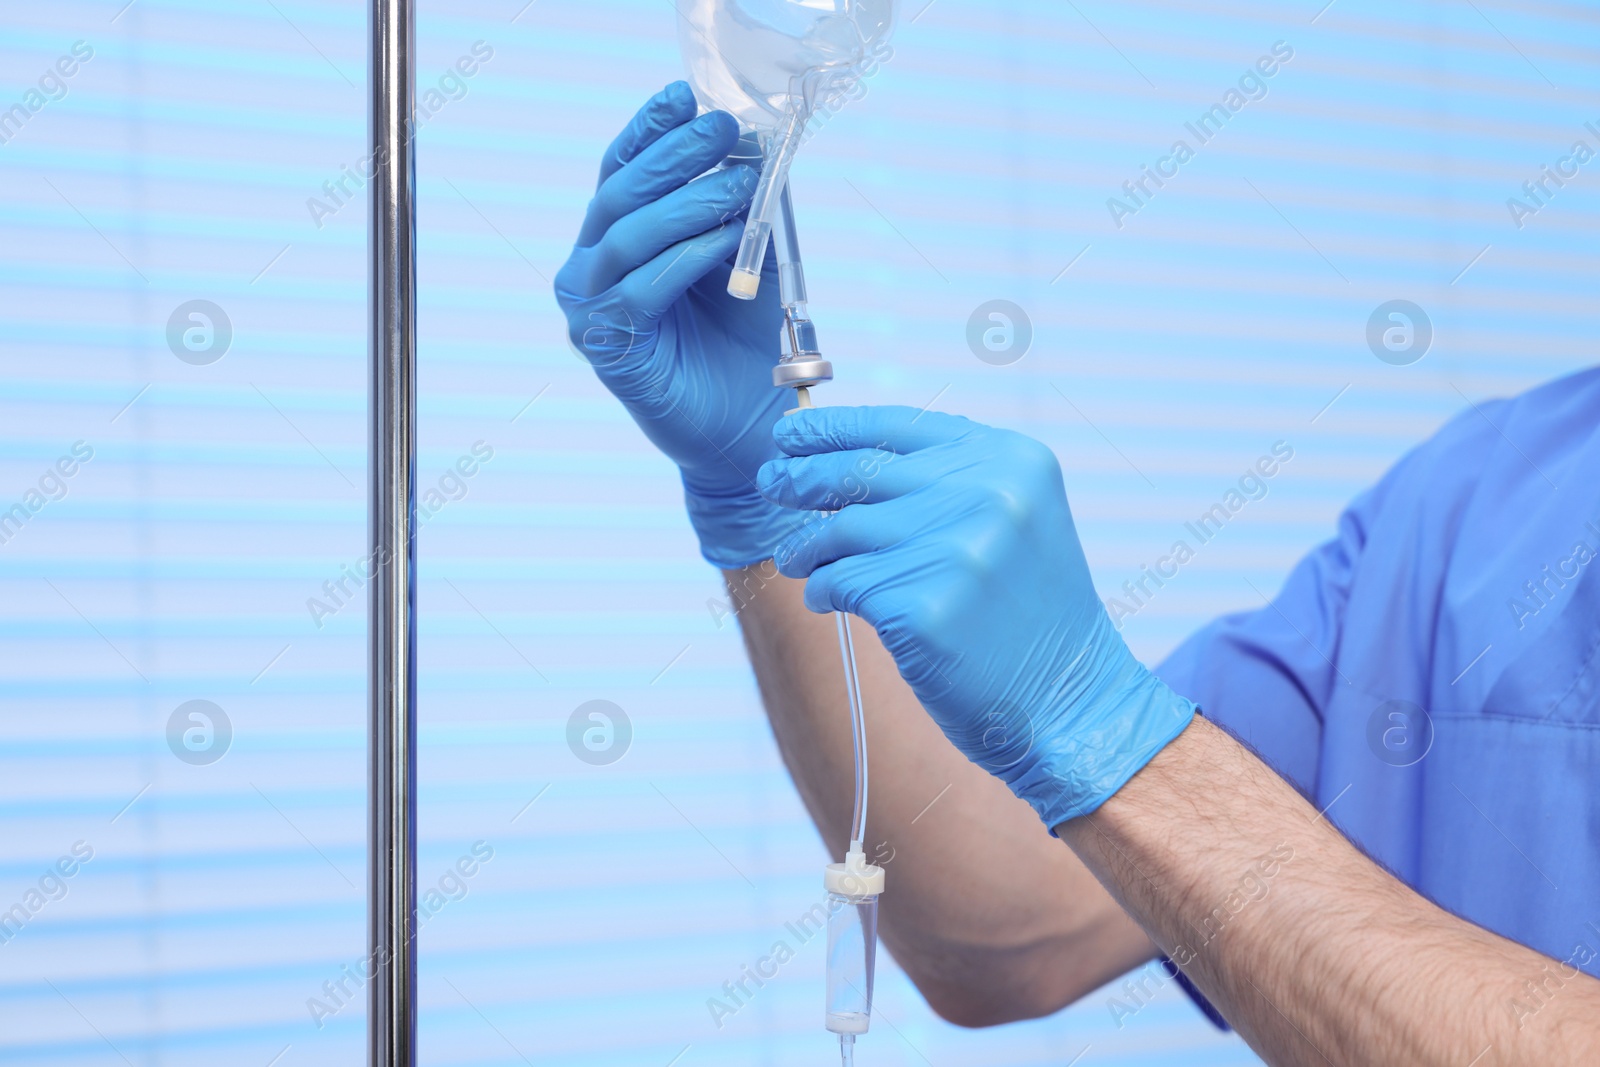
(954, 540)
(645, 294)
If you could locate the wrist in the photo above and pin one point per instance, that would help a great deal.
(737, 528)
(1192, 764)
(1111, 728)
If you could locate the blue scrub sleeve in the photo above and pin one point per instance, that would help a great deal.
(1199, 998)
(1266, 675)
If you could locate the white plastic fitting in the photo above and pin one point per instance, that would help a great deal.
(744, 284)
(855, 877)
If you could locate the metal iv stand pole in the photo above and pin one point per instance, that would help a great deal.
(391, 530)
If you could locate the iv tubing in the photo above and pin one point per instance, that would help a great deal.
(791, 277)
(786, 245)
(792, 295)
(800, 344)
(858, 731)
(746, 277)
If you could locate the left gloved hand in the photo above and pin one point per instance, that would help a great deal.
(954, 540)
(645, 292)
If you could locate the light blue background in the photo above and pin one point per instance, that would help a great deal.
(1226, 315)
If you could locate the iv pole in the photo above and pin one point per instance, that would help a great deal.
(391, 531)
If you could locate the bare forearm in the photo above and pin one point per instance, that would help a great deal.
(992, 918)
(1314, 953)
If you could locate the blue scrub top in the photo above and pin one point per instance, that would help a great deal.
(1431, 676)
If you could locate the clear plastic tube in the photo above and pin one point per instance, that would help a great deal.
(801, 364)
(799, 335)
(786, 241)
(854, 885)
(852, 917)
(800, 342)
(858, 730)
(745, 281)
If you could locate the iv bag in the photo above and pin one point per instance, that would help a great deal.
(772, 62)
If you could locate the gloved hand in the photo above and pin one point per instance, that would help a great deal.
(956, 543)
(645, 295)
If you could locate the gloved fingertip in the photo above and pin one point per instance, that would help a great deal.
(794, 423)
(807, 431)
(816, 596)
(768, 476)
(672, 106)
(718, 126)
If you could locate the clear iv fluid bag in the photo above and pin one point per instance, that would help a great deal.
(764, 60)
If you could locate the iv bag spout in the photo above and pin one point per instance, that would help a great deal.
(745, 281)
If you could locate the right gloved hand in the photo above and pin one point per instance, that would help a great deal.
(958, 546)
(645, 295)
